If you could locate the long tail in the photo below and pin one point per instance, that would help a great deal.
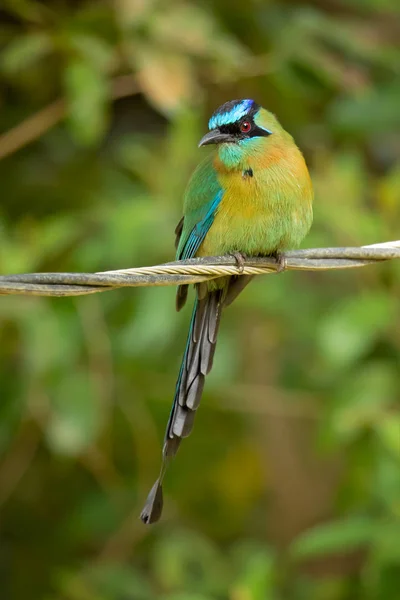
(196, 364)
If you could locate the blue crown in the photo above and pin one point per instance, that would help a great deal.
(231, 112)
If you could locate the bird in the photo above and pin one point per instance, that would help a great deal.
(251, 196)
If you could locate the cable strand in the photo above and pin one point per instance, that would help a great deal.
(194, 270)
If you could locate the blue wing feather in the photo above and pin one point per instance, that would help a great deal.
(199, 231)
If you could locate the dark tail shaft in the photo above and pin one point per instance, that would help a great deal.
(197, 362)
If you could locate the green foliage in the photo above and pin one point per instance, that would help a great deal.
(290, 485)
(351, 534)
(87, 95)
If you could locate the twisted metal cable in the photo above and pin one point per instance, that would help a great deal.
(195, 270)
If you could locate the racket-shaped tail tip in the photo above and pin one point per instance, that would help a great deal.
(154, 504)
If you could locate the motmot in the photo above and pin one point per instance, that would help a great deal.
(252, 196)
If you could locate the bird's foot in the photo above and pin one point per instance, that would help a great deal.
(240, 258)
(280, 261)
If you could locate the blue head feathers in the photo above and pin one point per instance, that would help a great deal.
(235, 123)
(231, 112)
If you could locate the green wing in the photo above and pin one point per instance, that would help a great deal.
(201, 201)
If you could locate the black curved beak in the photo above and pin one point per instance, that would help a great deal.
(215, 136)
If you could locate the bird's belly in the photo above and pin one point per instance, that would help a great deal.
(255, 231)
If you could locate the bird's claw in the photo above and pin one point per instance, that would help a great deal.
(240, 260)
(281, 262)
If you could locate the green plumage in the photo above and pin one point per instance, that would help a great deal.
(202, 189)
(251, 196)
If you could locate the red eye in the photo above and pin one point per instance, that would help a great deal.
(245, 127)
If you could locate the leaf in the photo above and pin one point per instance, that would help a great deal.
(254, 573)
(135, 13)
(75, 419)
(25, 51)
(87, 101)
(105, 581)
(27, 9)
(166, 79)
(94, 50)
(152, 325)
(374, 111)
(95, 517)
(187, 560)
(192, 29)
(341, 536)
(388, 429)
(362, 398)
(62, 339)
(351, 328)
(386, 488)
(386, 548)
(116, 581)
(185, 596)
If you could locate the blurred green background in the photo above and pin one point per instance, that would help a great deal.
(289, 487)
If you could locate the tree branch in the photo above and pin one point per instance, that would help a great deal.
(33, 127)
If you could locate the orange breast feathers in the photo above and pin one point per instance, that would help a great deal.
(266, 206)
(271, 179)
